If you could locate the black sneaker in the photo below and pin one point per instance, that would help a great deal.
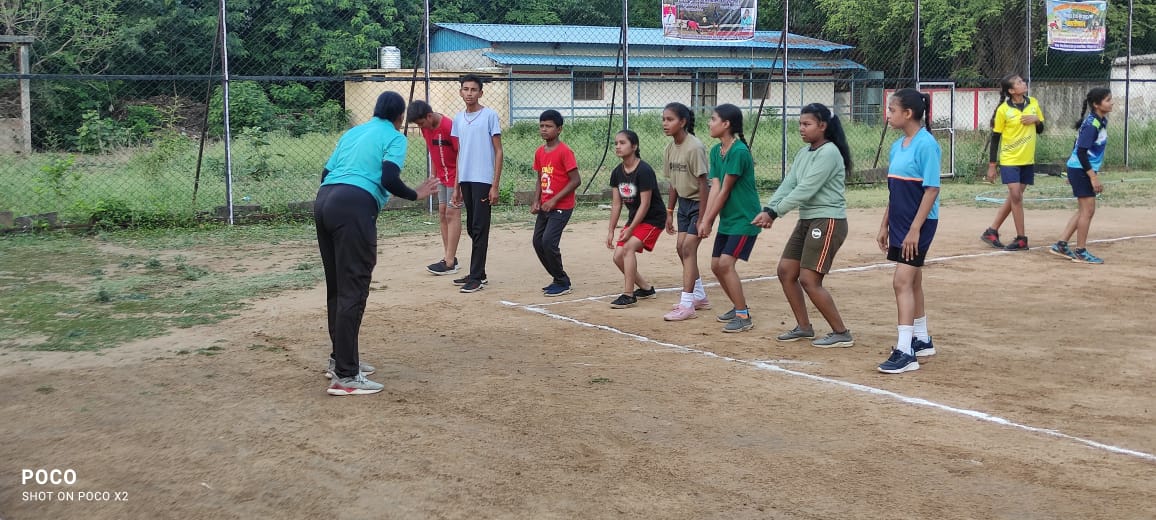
(473, 286)
(440, 268)
(922, 348)
(462, 281)
(623, 302)
(991, 237)
(1019, 244)
(645, 294)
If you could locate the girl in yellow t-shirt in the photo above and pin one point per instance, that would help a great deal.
(1014, 125)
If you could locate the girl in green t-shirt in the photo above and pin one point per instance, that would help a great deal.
(735, 201)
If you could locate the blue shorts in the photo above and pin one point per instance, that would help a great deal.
(687, 216)
(926, 235)
(1025, 174)
(1081, 183)
(738, 246)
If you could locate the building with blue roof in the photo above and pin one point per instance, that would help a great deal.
(577, 71)
(572, 68)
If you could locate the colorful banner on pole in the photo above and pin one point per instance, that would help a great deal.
(709, 19)
(1077, 26)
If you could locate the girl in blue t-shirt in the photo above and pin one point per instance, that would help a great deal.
(1083, 174)
(909, 223)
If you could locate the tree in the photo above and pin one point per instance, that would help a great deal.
(71, 36)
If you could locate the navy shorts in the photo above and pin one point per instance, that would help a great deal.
(738, 246)
(687, 216)
(1081, 183)
(895, 254)
(1025, 174)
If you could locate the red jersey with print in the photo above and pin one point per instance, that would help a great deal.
(443, 151)
(554, 169)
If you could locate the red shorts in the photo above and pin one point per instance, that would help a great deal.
(647, 233)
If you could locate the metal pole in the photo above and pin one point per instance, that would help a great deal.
(225, 113)
(1028, 42)
(625, 66)
(25, 101)
(917, 41)
(783, 110)
(428, 159)
(1127, 88)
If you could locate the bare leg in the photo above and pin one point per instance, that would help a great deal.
(788, 272)
(1015, 196)
(904, 285)
(1070, 228)
(451, 224)
(812, 283)
(688, 253)
(1087, 211)
(724, 270)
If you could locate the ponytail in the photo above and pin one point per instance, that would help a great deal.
(731, 114)
(926, 110)
(1083, 112)
(684, 113)
(834, 132)
(917, 102)
(1095, 97)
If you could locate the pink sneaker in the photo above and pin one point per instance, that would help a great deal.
(699, 305)
(680, 313)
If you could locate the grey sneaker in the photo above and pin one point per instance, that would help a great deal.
(796, 334)
(366, 369)
(726, 317)
(739, 325)
(835, 339)
(356, 385)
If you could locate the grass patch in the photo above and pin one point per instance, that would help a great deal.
(68, 295)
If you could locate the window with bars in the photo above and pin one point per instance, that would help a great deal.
(755, 84)
(588, 86)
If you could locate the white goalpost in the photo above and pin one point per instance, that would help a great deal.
(937, 89)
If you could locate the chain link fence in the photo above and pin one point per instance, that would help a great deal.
(118, 119)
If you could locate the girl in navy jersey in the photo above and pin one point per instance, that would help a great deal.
(1084, 174)
(909, 223)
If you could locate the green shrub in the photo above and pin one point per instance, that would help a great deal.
(248, 107)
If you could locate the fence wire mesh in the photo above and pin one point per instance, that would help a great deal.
(117, 117)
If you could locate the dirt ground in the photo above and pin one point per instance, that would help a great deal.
(495, 409)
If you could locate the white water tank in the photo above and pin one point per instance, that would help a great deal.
(390, 58)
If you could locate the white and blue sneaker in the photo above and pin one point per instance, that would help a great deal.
(1082, 256)
(899, 363)
(922, 348)
(1061, 250)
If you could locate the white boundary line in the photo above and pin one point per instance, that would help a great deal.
(771, 366)
(855, 269)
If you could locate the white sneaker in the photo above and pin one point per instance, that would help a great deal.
(356, 385)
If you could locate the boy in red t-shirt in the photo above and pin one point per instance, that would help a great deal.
(443, 153)
(553, 199)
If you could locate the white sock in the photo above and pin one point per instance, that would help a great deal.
(699, 291)
(905, 334)
(921, 329)
(686, 300)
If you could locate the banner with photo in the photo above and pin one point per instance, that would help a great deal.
(1077, 26)
(709, 19)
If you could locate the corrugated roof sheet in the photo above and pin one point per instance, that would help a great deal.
(587, 34)
(680, 62)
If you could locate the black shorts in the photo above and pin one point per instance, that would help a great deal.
(895, 254)
(687, 216)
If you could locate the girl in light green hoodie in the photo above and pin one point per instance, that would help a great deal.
(814, 185)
